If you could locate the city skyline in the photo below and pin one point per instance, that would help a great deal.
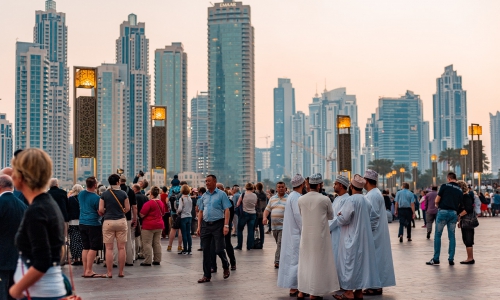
(475, 60)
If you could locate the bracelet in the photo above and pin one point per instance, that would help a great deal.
(226, 226)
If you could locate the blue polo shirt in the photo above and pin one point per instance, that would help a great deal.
(404, 198)
(213, 205)
(89, 205)
(496, 198)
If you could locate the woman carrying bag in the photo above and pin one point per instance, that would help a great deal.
(467, 221)
(184, 212)
(152, 226)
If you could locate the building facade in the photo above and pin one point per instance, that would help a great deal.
(231, 100)
(495, 142)
(6, 142)
(300, 141)
(132, 50)
(284, 109)
(51, 32)
(171, 91)
(112, 120)
(450, 112)
(400, 131)
(199, 133)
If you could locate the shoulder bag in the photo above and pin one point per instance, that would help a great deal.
(121, 206)
(469, 221)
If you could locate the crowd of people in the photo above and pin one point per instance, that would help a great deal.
(325, 245)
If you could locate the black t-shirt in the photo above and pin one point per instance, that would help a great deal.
(388, 203)
(113, 209)
(131, 199)
(451, 196)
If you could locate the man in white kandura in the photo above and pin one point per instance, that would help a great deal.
(381, 238)
(340, 187)
(356, 247)
(290, 240)
(317, 272)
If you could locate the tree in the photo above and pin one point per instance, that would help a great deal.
(268, 184)
(381, 166)
(450, 156)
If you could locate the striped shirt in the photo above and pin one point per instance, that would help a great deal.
(276, 207)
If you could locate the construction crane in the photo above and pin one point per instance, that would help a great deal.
(267, 137)
(328, 159)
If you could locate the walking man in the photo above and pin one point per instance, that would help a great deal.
(448, 200)
(213, 224)
(276, 207)
(381, 237)
(405, 210)
(317, 271)
(292, 227)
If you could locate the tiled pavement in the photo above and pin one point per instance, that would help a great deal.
(256, 277)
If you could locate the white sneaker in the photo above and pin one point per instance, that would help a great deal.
(190, 253)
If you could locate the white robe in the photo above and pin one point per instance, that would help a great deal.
(335, 231)
(356, 247)
(317, 271)
(290, 243)
(381, 238)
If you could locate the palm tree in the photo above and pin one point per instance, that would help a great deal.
(381, 166)
(450, 156)
(267, 184)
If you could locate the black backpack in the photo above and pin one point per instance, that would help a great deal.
(174, 198)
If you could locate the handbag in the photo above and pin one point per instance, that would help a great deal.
(138, 229)
(469, 221)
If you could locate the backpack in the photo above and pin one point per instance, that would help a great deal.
(174, 198)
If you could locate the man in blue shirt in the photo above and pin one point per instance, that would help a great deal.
(405, 209)
(90, 226)
(496, 202)
(213, 224)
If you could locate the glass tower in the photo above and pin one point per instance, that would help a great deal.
(171, 91)
(231, 103)
(450, 112)
(132, 49)
(495, 142)
(50, 30)
(5, 141)
(284, 109)
(199, 133)
(400, 130)
(112, 120)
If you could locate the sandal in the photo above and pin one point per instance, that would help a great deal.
(107, 276)
(372, 292)
(121, 275)
(342, 297)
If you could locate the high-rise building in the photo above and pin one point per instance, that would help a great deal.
(450, 112)
(371, 142)
(50, 30)
(495, 142)
(112, 119)
(132, 49)
(6, 150)
(300, 141)
(171, 91)
(231, 100)
(199, 133)
(32, 101)
(323, 114)
(401, 130)
(284, 109)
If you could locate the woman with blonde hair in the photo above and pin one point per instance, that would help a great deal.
(75, 239)
(184, 211)
(41, 234)
(248, 200)
(152, 225)
(466, 210)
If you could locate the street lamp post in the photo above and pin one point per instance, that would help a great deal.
(476, 152)
(402, 177)
(158, 143)
(344, 160)
(463, 154)
(415, 174)
(394, 172)
(434, 168)
(388, 178)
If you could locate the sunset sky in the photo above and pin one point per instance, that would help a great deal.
(373, 48)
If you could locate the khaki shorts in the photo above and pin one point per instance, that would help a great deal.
(114, 228)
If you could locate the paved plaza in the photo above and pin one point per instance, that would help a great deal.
(256, 276)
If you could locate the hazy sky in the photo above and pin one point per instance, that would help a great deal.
(373, 48)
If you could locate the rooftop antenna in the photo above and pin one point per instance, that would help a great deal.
(316, 95)
(325, 86)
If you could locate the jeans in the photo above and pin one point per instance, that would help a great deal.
(186, 233)
(445, 218)
(425, 217)
(248, 220)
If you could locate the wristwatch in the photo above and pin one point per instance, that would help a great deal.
(226, 226)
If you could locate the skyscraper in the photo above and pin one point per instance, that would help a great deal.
(6, 150)
(495, 142)
(450, 112)
(299, 157)
(370, 148)
(199, 133)
(50, 30)
(132, 49)
(171, 90)
(112, 119)
(401, 130)
(231, 101)
(284, 109)
(32, 101)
